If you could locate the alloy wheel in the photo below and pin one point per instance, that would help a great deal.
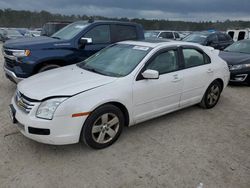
(105, 128)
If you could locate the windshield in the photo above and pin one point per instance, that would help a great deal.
(196, 38)
(240, 46)
(70, 31)
(116, 61)
(151, 34)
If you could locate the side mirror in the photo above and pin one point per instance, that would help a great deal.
(83, 41)
(150, 74)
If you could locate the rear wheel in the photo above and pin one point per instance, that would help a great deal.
(103, 127)
(48, 67)
(212, 95)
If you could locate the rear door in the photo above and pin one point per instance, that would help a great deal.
(154, 97)
(197, 74)
(123, 32)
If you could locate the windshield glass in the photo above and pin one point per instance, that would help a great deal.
(151, 34)
(116, 61)
(197, 38)
(70, 31)
(240, 46)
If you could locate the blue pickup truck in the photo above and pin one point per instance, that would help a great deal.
(72, 44)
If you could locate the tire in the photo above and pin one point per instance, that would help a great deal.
(48, 67)
(98, 132)
(212, 95)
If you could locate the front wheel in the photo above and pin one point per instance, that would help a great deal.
(212, 95)
(103, 127)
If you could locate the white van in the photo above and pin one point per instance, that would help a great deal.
(239, 34)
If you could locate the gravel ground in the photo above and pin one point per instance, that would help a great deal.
(183, 149)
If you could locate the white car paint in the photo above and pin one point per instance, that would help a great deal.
(144, 99)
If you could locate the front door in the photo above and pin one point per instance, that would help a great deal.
(101, 38)
(154, 97)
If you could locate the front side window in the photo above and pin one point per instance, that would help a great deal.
(116, 61)
(164, 62)
(99, 34)
(193, 58)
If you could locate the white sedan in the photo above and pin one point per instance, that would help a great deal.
(122, 85)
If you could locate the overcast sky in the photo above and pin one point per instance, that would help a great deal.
(189, 10)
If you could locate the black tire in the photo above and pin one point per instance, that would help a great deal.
(212, 95)
(48, 67)
(96, 117)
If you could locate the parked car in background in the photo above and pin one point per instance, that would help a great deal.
(32, 33)
(217, 40)
(52, 27)
(183, 34)
(238, 58)
(239, 34)
(93, 100)
(7, 34)
(162, 34)
(22, 31)
(72, 44)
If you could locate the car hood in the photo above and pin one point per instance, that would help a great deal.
(33, 43)
(65, 81)
(234, 58)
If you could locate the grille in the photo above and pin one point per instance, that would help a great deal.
(9, 62)
(23, 103)
(8, 52)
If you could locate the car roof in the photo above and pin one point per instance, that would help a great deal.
(160, 31)
(107, 22)
(155, 44)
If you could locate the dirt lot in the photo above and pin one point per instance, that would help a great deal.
(182, 149)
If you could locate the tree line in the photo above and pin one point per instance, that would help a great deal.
(31, 19)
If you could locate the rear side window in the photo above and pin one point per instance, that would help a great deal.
(241, 35)
(231, 34)
(99, 34)
(193, 58)
(165, 62)
(125, 32)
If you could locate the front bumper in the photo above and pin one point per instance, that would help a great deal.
(60, 130)
(11, 75)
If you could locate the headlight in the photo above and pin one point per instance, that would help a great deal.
(238, 67)
(47, 108)
(21, 53)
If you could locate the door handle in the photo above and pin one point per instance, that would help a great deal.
(176, 78)
(210, 71)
